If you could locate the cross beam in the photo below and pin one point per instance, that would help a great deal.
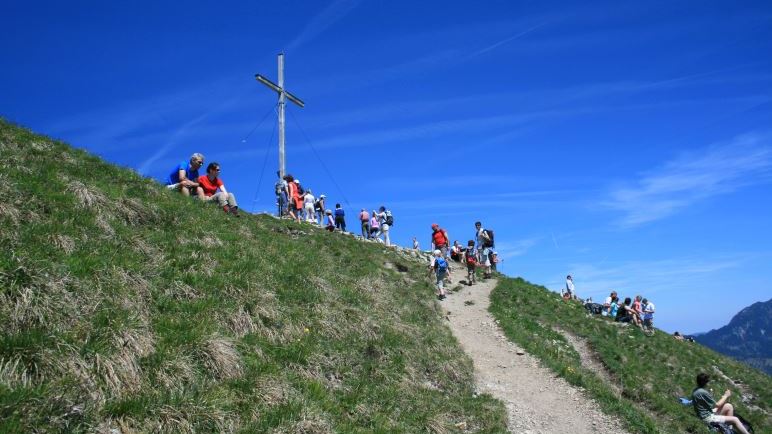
(283, 94)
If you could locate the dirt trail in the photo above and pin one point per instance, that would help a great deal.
(537, 401)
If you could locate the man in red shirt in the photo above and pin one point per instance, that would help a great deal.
(211, 183)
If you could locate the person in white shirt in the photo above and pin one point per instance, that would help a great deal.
(308, 204)
(570, 287)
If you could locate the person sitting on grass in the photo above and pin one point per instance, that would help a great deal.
(214, 190)
(184, 177)
(626, 313)
(330, 226)
(455, 251)
(607, 305)
(710, 411)
(439, 265)
(678, 336)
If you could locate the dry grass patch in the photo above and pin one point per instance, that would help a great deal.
(63, 242)
(275, 391)
(87, 197)
(221, 358)
(176, 372)
(14, 374)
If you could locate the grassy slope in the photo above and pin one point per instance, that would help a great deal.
(651, 371)
(124, 305)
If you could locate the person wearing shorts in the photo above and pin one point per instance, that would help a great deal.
(710, 411)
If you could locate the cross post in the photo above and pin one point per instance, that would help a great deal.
(283, 96)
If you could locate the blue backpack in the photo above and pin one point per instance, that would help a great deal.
(440, 264)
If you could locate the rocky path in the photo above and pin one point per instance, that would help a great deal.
(537, 401)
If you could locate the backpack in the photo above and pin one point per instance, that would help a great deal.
(470, 257)
(389, 218)
(278, 187)
(318, 205)
(440, 264)
(489, 241)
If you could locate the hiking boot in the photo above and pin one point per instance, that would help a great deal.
(235, 211)
(226, 208)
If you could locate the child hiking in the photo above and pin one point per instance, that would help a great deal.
(470, 258)
(439, 265)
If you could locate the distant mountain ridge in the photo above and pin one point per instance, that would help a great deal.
(747, 337)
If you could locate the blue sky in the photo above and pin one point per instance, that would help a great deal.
(626, 143)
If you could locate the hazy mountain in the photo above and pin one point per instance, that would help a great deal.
(747, 337)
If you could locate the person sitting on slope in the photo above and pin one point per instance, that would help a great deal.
(710, 411)
(214, 190)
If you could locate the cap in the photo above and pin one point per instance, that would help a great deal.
(321, 196)
(435, 225)
(298, 181)
(437, 252)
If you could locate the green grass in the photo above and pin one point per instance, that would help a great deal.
(126, 306)
(651, 372)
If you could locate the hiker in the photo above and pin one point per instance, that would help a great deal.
(637, 306)
(613, 309)
(308, 206)
(319, 207)
(470, 259)
(648, 313)
(485, 245)
(280, 188)
(607, 304)
(710, 411)
(386, 220)
(456, 252)
(416, 246)
(214, 190)
(569, 294)
(375, 228)
(440, 267)
(292, 191)
(440, 239)
(330, 226)
(184, 177)
(627, 314)
(340, 218)
(678, 336)
(364, 220)
(297, 199)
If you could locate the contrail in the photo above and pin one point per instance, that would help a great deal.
(321, 22)
(554, 240)
(509, 39)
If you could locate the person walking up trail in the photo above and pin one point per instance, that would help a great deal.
(485, 246)
(440, 240)
(439, 265)
(214, 190)
(470, 259)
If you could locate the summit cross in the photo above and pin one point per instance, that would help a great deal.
(283, 96)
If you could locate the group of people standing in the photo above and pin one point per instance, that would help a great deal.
(376, 224)
(479, 252)
(300, 204)
(185, 178)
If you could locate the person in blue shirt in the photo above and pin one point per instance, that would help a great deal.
(184, 176)
(340, 218)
